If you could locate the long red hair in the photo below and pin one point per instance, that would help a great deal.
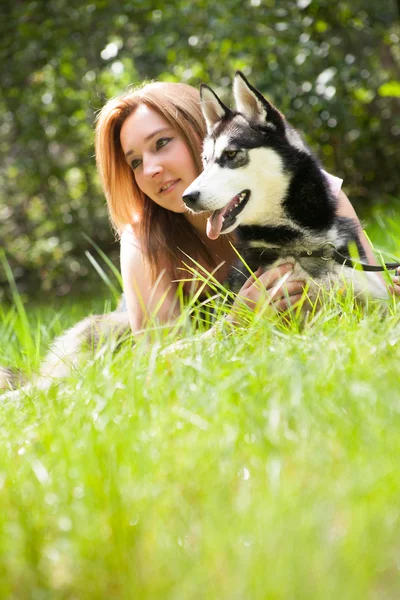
(158, 230)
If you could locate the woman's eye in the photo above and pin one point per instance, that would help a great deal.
(135, 163)
(231, 153)
(162, 142)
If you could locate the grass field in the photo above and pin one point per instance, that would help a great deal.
(261, 464)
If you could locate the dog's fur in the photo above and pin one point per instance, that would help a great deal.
(287, 208)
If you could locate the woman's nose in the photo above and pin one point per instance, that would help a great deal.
(151, 167)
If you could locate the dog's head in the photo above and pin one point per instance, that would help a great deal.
(245, 158)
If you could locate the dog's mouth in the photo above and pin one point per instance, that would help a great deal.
(223, 218)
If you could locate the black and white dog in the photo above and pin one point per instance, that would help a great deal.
(261, 179)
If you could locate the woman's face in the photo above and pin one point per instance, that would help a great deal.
(161, 162)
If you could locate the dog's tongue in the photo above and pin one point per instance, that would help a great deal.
(214, 224)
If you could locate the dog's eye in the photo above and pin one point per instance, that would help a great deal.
(231, 153)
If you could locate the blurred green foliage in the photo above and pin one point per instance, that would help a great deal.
(332, 67)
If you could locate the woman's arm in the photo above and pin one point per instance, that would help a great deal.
(144, 300)
(345, 209)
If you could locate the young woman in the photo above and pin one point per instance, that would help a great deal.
(148, 147)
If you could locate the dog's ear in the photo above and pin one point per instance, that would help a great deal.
(252, 104)
(213, 109)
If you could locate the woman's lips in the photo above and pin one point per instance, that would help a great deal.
(171, 185)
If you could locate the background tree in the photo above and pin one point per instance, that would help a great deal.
(333, 69)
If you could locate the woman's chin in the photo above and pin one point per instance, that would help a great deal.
(198, 220)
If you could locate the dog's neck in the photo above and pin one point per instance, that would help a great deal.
(283, 238)
(309, 200)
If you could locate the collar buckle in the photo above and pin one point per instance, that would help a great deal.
(330, 248)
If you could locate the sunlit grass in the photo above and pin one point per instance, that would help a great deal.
(260, 463)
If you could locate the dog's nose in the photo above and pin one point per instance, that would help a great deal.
(191, 199)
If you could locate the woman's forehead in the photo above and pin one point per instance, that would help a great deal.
(138, 128)
(146, 117)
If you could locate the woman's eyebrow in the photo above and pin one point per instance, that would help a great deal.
(148, 138)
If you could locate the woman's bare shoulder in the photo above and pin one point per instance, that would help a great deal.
(129, 236)
(145, 298)
(335, 183)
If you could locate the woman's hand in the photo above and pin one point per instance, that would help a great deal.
(268, 288)
(396, 284)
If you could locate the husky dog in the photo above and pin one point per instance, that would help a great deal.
(261, 180)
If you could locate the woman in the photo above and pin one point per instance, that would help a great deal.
(148, 147)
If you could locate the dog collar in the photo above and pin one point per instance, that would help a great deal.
(329, 252)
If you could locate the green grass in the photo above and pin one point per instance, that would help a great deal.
(263, 464)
